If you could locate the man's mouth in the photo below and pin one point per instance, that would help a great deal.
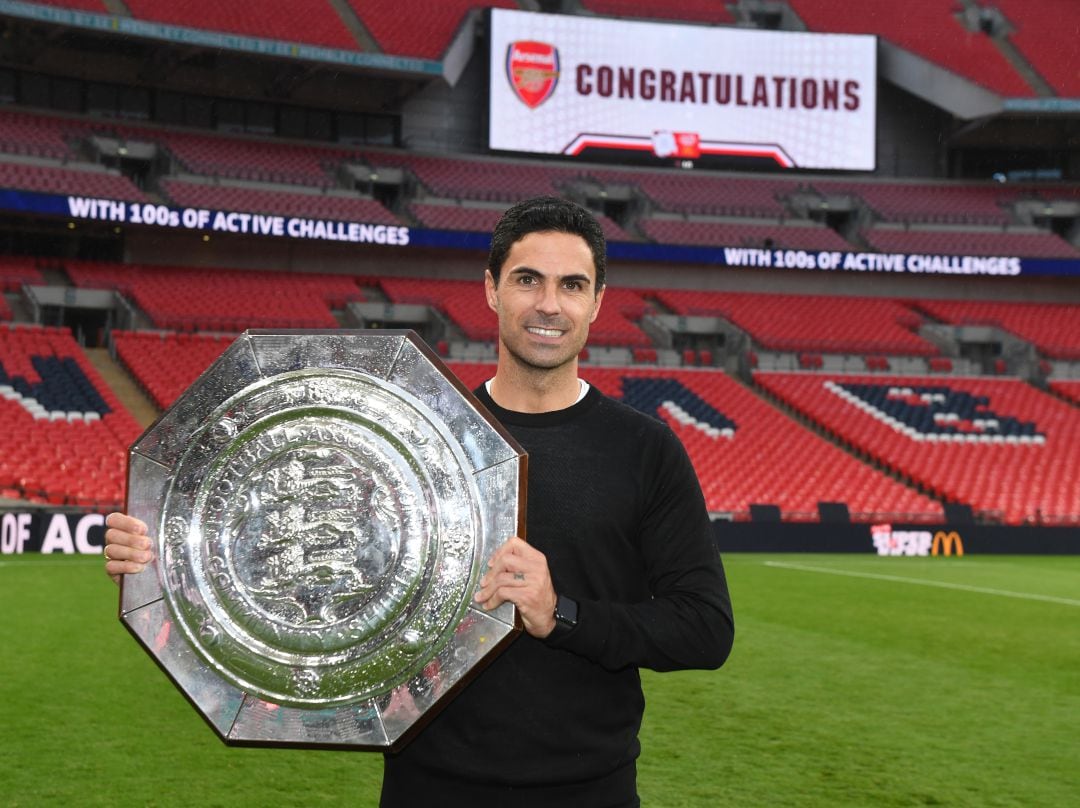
(544, 332)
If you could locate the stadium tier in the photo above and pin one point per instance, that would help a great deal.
(971, 242)
(1054, 329)
(34, 135)
(237, 158)
(286, 177)
(708, 194)
(313, 22)
(418, 27)
(185, 298)
(166, 364)
(925, 202)
(482, 180)
(832, 324)
(342, 205)
(15, 270)
(999, 445)
(928, 28)
(746, 452)
(89, 181)
(711, 233)
(708, 11)
(63, 434)
(455, 216)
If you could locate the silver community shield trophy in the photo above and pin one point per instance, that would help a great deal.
(323, 504)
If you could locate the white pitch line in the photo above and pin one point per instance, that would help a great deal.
(924, 582)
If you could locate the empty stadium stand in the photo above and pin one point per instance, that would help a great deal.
(971, 242)
(706, 11)
(341, 205)
(313, 22)
(1048, 44)
(87, 180)
(1054, 329)
(714, 233)
(704, 193)
(165, 364)
(464, 193)
(186, 298)
(31, 134)
(16, 270)
(819, 323)
(63, 434)
(999, 445)
(238, 158)
(455, 216)
(415, 27)
(484, 180)
(928, 28)
(947, 203)
(1069, 388)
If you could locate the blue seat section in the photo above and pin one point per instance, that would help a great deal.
(940, 410)
(647, 394)
(63, 386)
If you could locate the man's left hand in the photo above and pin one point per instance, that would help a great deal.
(518, 573)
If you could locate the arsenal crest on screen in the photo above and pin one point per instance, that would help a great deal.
(533, 70)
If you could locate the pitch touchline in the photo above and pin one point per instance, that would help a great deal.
(924, 582)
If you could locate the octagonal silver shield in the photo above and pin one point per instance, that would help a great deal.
(323, 505)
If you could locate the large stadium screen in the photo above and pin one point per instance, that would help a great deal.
(581, 86)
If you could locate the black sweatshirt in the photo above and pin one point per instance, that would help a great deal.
(614, 504)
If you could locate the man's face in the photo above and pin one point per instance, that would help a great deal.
(546, 299)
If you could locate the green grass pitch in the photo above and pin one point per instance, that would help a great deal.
(855, 680)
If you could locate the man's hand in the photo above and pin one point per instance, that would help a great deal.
(127, 547)
(518, 573)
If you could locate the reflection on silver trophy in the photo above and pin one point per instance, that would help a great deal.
(324, 504)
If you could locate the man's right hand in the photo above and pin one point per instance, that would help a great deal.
(127, 547)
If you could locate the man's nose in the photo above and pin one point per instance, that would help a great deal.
(548, 302)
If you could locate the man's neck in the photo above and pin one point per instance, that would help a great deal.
(535, 390)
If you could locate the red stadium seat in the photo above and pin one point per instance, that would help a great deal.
(816, 323)
(708, 11)
(417, 27)
(1012, 457)
(1054, 328)
(64, 435)
(310, 21)
(222, 299)
(927, 28)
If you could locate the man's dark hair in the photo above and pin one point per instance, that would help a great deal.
(547, 214)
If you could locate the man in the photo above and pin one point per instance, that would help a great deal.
(619, 572)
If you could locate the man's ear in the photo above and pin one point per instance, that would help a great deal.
(490, 291)
(597, 302)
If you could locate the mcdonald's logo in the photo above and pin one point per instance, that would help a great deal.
(946, 543)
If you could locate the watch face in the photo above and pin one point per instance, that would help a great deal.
(566, 610)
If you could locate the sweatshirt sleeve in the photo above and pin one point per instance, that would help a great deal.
(687, 620)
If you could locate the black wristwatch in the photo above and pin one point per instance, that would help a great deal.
(566, 614)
